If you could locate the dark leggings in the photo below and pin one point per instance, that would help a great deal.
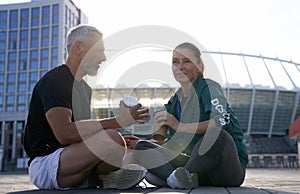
(219, 166)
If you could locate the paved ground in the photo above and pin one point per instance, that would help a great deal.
(257, 181)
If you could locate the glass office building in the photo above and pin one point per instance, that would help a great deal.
(32, 37)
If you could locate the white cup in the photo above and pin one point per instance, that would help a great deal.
(130, 101)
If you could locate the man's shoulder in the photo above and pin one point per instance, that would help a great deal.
(56, 77)
(56, 71)
(56, 74)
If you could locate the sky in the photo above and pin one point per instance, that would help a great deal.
(267, 27)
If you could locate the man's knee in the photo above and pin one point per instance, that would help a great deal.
(115, 136)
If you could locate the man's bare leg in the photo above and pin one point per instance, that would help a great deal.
(78, 160)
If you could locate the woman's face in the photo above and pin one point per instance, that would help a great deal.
(184, 66)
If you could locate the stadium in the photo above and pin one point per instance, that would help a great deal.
(264, 111)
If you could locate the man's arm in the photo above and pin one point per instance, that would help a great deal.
(68, 132)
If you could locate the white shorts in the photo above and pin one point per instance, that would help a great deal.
(43, 171)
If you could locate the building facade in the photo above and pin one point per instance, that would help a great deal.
(32, 41)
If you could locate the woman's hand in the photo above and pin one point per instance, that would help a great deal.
(164, 118)
(131, 115)
(131, 141)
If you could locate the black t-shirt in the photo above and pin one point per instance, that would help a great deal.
(56, 89)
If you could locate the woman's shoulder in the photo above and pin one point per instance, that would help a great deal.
(207, 83)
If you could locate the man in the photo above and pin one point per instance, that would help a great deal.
(66, 148)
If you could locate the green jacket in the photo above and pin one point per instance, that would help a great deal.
(205, 101)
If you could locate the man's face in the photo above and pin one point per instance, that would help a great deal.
(94, 56)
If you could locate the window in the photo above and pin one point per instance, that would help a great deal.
(45, 37)
(10, 88)
(33, 76)
(31, 86)
(55, 36)
(3, 41)
(1, 90)
(23, 60)
(1, 107)
(10, 103)
(24, 18)
(3, 19)
(66, 15)
(13, 19)
(44, 58)
(33, 59)
(2, 62)
(12, 56)
(12, 40)
(21, 99)
(19, 139)
(11, 78)
(23, 39)
(55, 14)
(34, 38)
(22, 77)
(54, 57)
(69, 18)
(35, 16)
(22, 87)
(1, 78)
(1, 86)
(46, 15)
(10, 99)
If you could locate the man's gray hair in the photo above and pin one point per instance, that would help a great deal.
(79, 33)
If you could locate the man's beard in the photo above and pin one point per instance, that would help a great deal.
(90, 70)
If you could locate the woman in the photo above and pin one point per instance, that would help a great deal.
(205, 142)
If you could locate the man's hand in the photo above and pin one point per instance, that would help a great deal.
(131, 115)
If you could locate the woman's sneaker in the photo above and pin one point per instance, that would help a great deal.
(181, 178)
(124, 178)
(154, 180)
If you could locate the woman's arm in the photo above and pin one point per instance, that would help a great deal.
(195, 128)
(165, 118)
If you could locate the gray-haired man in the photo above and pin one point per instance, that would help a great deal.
(67, 148)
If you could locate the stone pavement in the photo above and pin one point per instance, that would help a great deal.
(257, 181)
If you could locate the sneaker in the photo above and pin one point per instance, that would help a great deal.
(124, 178)
(154, 180)
(181, 178)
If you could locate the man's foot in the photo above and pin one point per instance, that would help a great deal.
(124, 178)
(182, 179)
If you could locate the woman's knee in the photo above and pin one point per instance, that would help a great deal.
(144, 145)
(212, 142)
